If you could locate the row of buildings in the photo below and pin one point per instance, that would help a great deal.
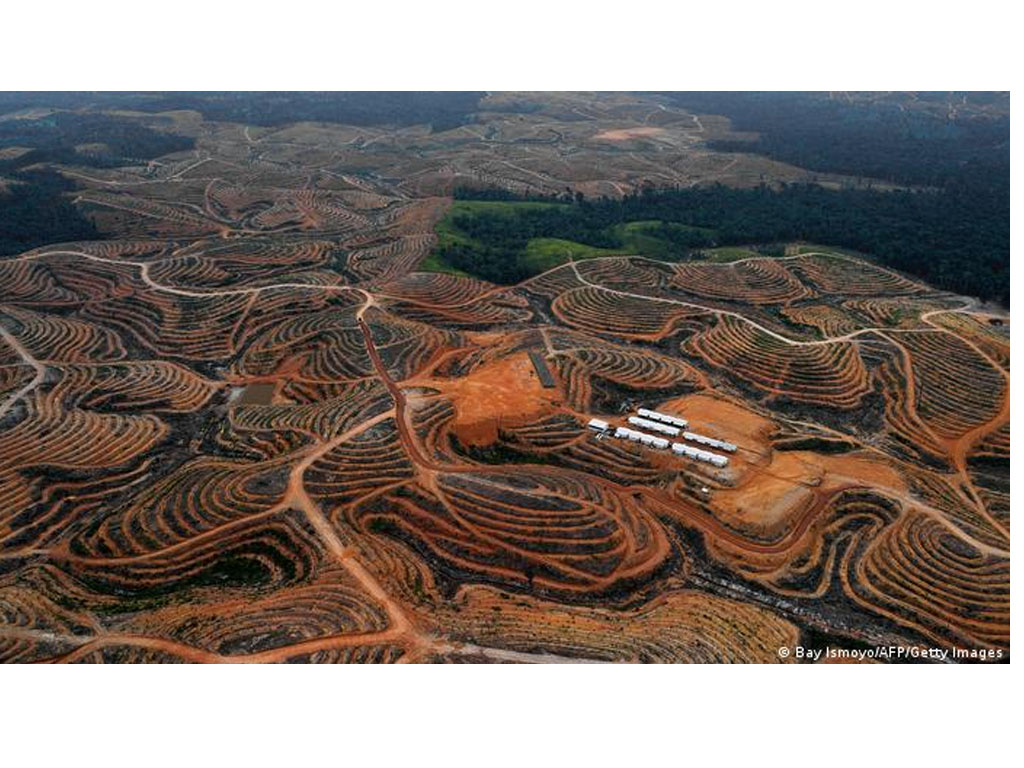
(673, 426)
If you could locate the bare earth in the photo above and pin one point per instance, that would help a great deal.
(248, 426)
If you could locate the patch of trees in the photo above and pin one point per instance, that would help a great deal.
(927, 139)
(104, 141)
(956, 144)
(34, 211)
(442, 110)
(500, 238)
(501, 265)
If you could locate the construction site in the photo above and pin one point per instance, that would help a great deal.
(672, 426)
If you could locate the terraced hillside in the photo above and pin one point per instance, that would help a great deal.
(250, 426)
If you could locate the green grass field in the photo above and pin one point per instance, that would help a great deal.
(544, 253)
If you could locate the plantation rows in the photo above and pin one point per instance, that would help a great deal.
(255, 427)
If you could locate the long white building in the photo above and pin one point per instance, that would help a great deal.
(664, 418)
(654, 426)
(696, 453)
(624, 433)
(710, 441)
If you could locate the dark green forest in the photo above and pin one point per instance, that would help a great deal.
(53, 139)
(35, 212)
(957, 240)
(898, 138)
(950, 225)
(442, 110)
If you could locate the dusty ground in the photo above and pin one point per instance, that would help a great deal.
(148, 517)
(762, 489)
(624, 134)
(503, 393)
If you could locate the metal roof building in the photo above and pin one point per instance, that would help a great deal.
(640, 437)
(696, 453)
(675, 421)
(704, 440)
(654, 426)
(627, 434)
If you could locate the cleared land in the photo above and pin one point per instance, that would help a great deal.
(395, 484)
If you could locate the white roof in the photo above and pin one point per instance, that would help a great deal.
(713, 442)
(653, 426)
(663, 417)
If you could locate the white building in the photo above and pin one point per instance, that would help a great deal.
(597, 424)
(654, 426)
(696, 453)
(640, 437)
(709, 441)
(674, 421)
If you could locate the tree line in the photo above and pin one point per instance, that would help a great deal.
(35, 212)
(957, 239)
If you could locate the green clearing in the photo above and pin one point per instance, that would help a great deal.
(544, 253)
(509, 241)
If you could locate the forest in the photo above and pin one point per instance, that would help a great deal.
(85, 138)
(442, 110)
(34, 209)
(924, 139)
(35, 212)
(957, 239)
